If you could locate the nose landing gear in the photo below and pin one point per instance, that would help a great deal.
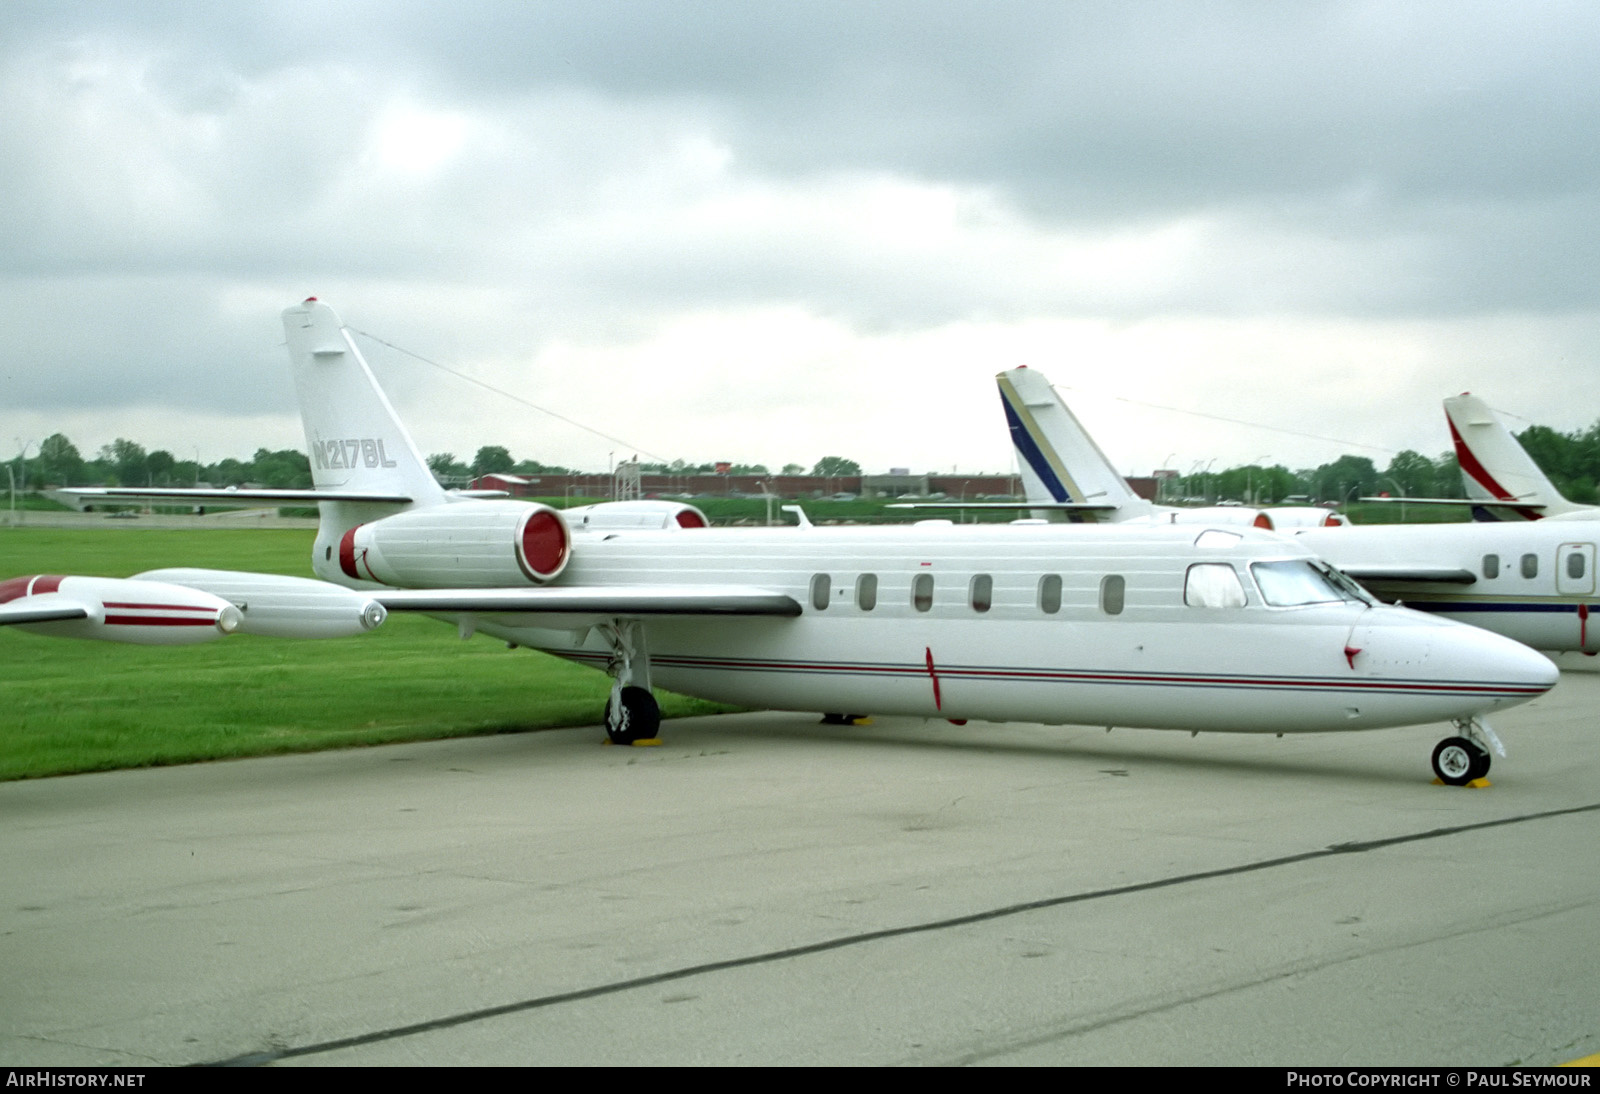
(1458, 761)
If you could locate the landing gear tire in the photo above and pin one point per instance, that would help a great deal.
(632, 716)
(1458, 761)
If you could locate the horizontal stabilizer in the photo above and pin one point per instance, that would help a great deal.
(1508, 503)
(193, 496)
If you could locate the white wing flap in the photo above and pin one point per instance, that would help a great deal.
(47, 608)
(1416, 574)
(598, 603)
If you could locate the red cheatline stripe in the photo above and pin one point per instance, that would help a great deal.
(158, 607)
(1103, 677)
(158, 621)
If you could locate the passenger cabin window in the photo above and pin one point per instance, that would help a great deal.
(922, 592)
(867, 592)
(1212, 585)
(1575, 565)
(1530, 565)
(981, 592)
(1113, 591)
(1491, 566)
(821, 591)
(1050, 594)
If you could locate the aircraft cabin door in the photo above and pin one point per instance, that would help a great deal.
(1575, 569)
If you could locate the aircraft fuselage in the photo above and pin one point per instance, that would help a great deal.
(1048, 623)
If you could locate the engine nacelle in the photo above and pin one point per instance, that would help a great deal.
(1224, 514)
(280, 606)
(114, 609)
(475, 545)
(618, 516)
(1304, 516)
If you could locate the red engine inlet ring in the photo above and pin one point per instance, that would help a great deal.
(543, 545)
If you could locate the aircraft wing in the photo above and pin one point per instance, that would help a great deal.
(50, 608)
(1424, 574)
(193, 495)
(1495, 503)
(584, 606)
(1079, 506)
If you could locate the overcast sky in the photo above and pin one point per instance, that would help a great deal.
(769, 232)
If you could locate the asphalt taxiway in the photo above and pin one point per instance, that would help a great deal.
(763, 889)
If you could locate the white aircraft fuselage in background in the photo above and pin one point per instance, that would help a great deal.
(1530, 581)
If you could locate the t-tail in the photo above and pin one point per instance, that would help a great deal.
(354, 439)
(1496, 469)
(1057, 459)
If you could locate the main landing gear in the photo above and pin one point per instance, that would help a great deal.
(1458, 761)
(632, 714)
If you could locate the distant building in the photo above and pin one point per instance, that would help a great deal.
(653, 485)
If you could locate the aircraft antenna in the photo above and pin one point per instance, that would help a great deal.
(1230, 421)
(504, 394)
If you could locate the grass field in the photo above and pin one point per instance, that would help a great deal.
(69, 706)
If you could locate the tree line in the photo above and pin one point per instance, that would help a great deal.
(1571, 460)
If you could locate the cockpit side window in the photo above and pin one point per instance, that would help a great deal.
(1296, 582)
(1212, 585)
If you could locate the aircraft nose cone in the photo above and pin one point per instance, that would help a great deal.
(1505, 669)
(1464, 670)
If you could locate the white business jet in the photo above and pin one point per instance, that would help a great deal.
(1195, 628)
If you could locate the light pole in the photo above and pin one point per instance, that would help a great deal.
(1249, 478)
(22, 466)
(1402, 490)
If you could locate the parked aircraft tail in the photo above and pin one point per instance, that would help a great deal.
(1495, 468)
(1057, 458)
(354, 438)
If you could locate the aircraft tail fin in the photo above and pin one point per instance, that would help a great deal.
(1057, 459)
(1495, 468)
(353, 436)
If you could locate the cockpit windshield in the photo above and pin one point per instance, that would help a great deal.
(1300, 581)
